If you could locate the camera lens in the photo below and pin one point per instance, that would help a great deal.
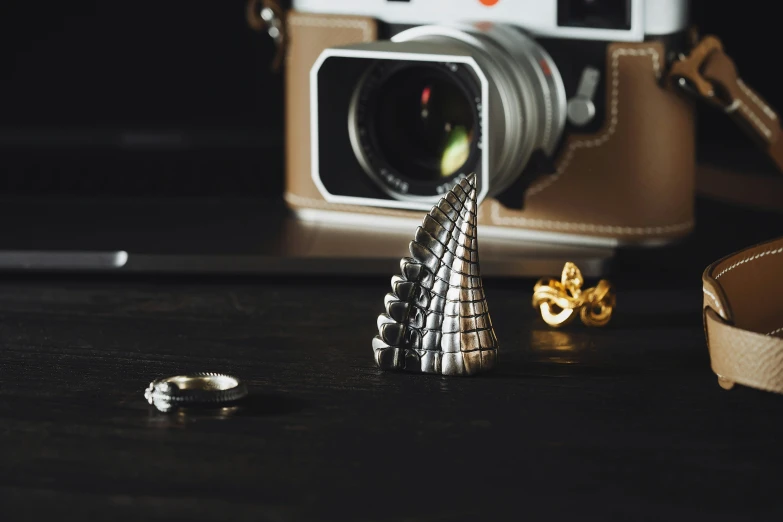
(525, 99)
(415, 125)
(423, 123)
(454, 100)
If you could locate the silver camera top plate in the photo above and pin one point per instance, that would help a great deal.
(539, 17)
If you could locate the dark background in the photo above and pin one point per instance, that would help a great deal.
(137, 98)
(177, 98)
(171, 98)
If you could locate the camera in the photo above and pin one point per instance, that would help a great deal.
(559, 107)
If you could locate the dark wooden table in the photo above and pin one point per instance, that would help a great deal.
(623, 423)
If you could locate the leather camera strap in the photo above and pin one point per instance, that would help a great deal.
(743, 292)
(743, 317)
(269, 16)
(710, 75)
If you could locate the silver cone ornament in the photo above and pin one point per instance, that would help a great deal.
(436, 318)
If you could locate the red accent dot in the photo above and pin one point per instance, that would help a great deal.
(545, 67)
(489, 3)
(425, 95)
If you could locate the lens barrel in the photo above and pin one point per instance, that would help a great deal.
(416, 127)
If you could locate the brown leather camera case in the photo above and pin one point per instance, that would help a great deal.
(632, 181)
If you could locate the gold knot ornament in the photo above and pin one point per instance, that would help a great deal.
(559, 301)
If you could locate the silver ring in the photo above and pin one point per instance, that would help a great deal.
(194, 389)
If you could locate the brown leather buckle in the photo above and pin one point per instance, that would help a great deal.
(686, 72)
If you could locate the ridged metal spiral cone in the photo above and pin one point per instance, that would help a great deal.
(436, 318)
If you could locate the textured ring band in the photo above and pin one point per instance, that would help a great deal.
(195, 388)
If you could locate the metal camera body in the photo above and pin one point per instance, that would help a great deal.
(571, 130)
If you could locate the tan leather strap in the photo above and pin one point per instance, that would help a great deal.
(743, 317)
(274, 25)
(743, 293)
(711, 75)
(740, 188)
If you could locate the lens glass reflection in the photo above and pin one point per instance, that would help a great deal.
(424, 124)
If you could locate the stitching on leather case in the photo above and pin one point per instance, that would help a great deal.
(775, 332)
(496, 218)
(714, 300)
(770, 252)
(335, 23)
(755, 99)
(597, 142)
(585, 227)
(754, 118)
